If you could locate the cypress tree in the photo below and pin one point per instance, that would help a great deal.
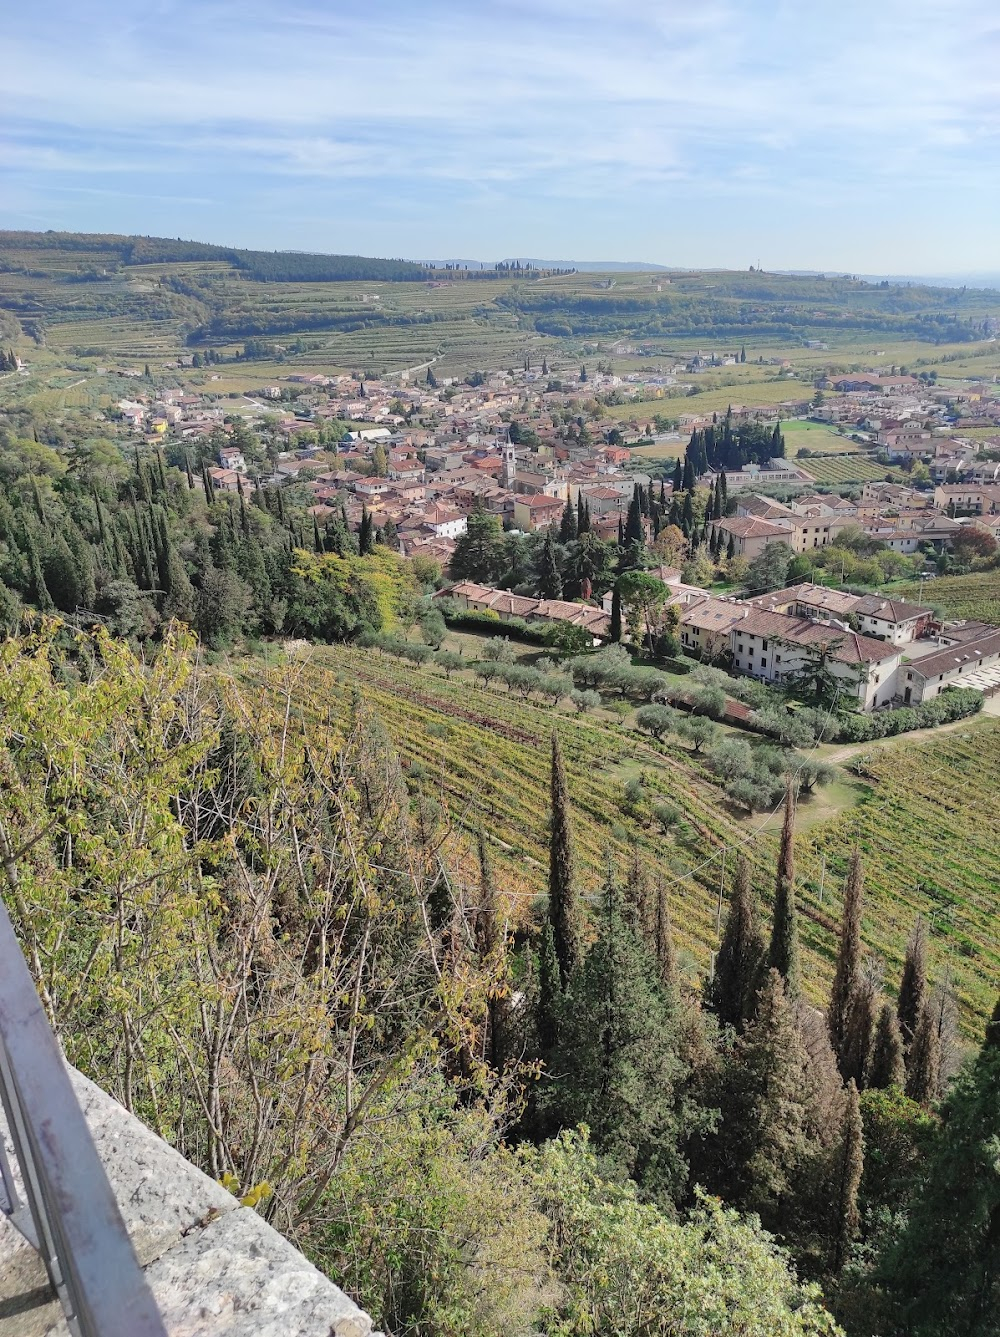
(687, 476)
(633, 523)
(992, 1038)
(568, 528)
(678, 479)
(764, 1132)
(731, 548)
(666, 957)
(36, 498)
(491, 945)
(618, 1065)
(179, 602)
(550, 990)
(187, 471)
(366, 535)
(580, 525)
(61, 575)
(855, 1061)
(913, 994)
(637, 895)
(887, 1068)
(738, 964)
(564, 910)
(783, 953)
(923, 1060)
(99, 516)
(942, 1269)
(615, 630)
(846, 979)
(161, 473)
(550, 585)
(37, 590)
(849, 1179)
(687, 517)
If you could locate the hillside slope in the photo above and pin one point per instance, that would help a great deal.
(924, 822)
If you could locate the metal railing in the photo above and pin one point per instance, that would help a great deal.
(68, 1212)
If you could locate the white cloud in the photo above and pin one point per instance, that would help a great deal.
(657, 101)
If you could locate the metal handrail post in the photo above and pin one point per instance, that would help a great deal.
(79, 1231)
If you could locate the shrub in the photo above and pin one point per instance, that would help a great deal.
(812, 773)
(666, 814)
(432, 628)
(633, 798)
(449, 661)
(498, 649)
(601, 667)
(699, 732)
(824, 723)
(657, 720)
(643, 683)
(755, 795)
(555, 685)
(585, 700)
(732, 759)
(789, 729)
(709, 701)
(416, 654)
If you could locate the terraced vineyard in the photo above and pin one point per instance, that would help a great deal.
(842, 469)
(485, 757)
(929, 833)
(925, 822)
(976, 595)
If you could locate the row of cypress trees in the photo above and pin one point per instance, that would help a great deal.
(744, 1088)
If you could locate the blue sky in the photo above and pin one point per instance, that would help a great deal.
(814, 134)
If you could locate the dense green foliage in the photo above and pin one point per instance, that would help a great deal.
(131, 542)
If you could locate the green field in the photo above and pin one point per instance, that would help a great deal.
(801, 434)
(72, 300)
(976, 595)
(923, 814)
(843, 469)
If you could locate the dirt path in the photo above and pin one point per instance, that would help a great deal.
(838, 755)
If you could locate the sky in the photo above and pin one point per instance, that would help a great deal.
(819, 134)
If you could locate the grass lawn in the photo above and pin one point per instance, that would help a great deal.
(815, 436)
(661, 450)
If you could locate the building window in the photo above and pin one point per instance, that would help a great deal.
(763, 645)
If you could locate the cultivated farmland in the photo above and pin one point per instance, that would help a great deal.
(925, 819)
(976, 595)
(835, 469)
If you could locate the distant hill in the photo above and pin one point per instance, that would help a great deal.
(265, 266)
(583, 266)
(142, 298)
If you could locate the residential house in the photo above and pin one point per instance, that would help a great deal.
(537, 511)
(445, 522)
(774, 647)
(750, 535)
(892, 620)
(231, 457)
(964, 665)
(705, 626)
